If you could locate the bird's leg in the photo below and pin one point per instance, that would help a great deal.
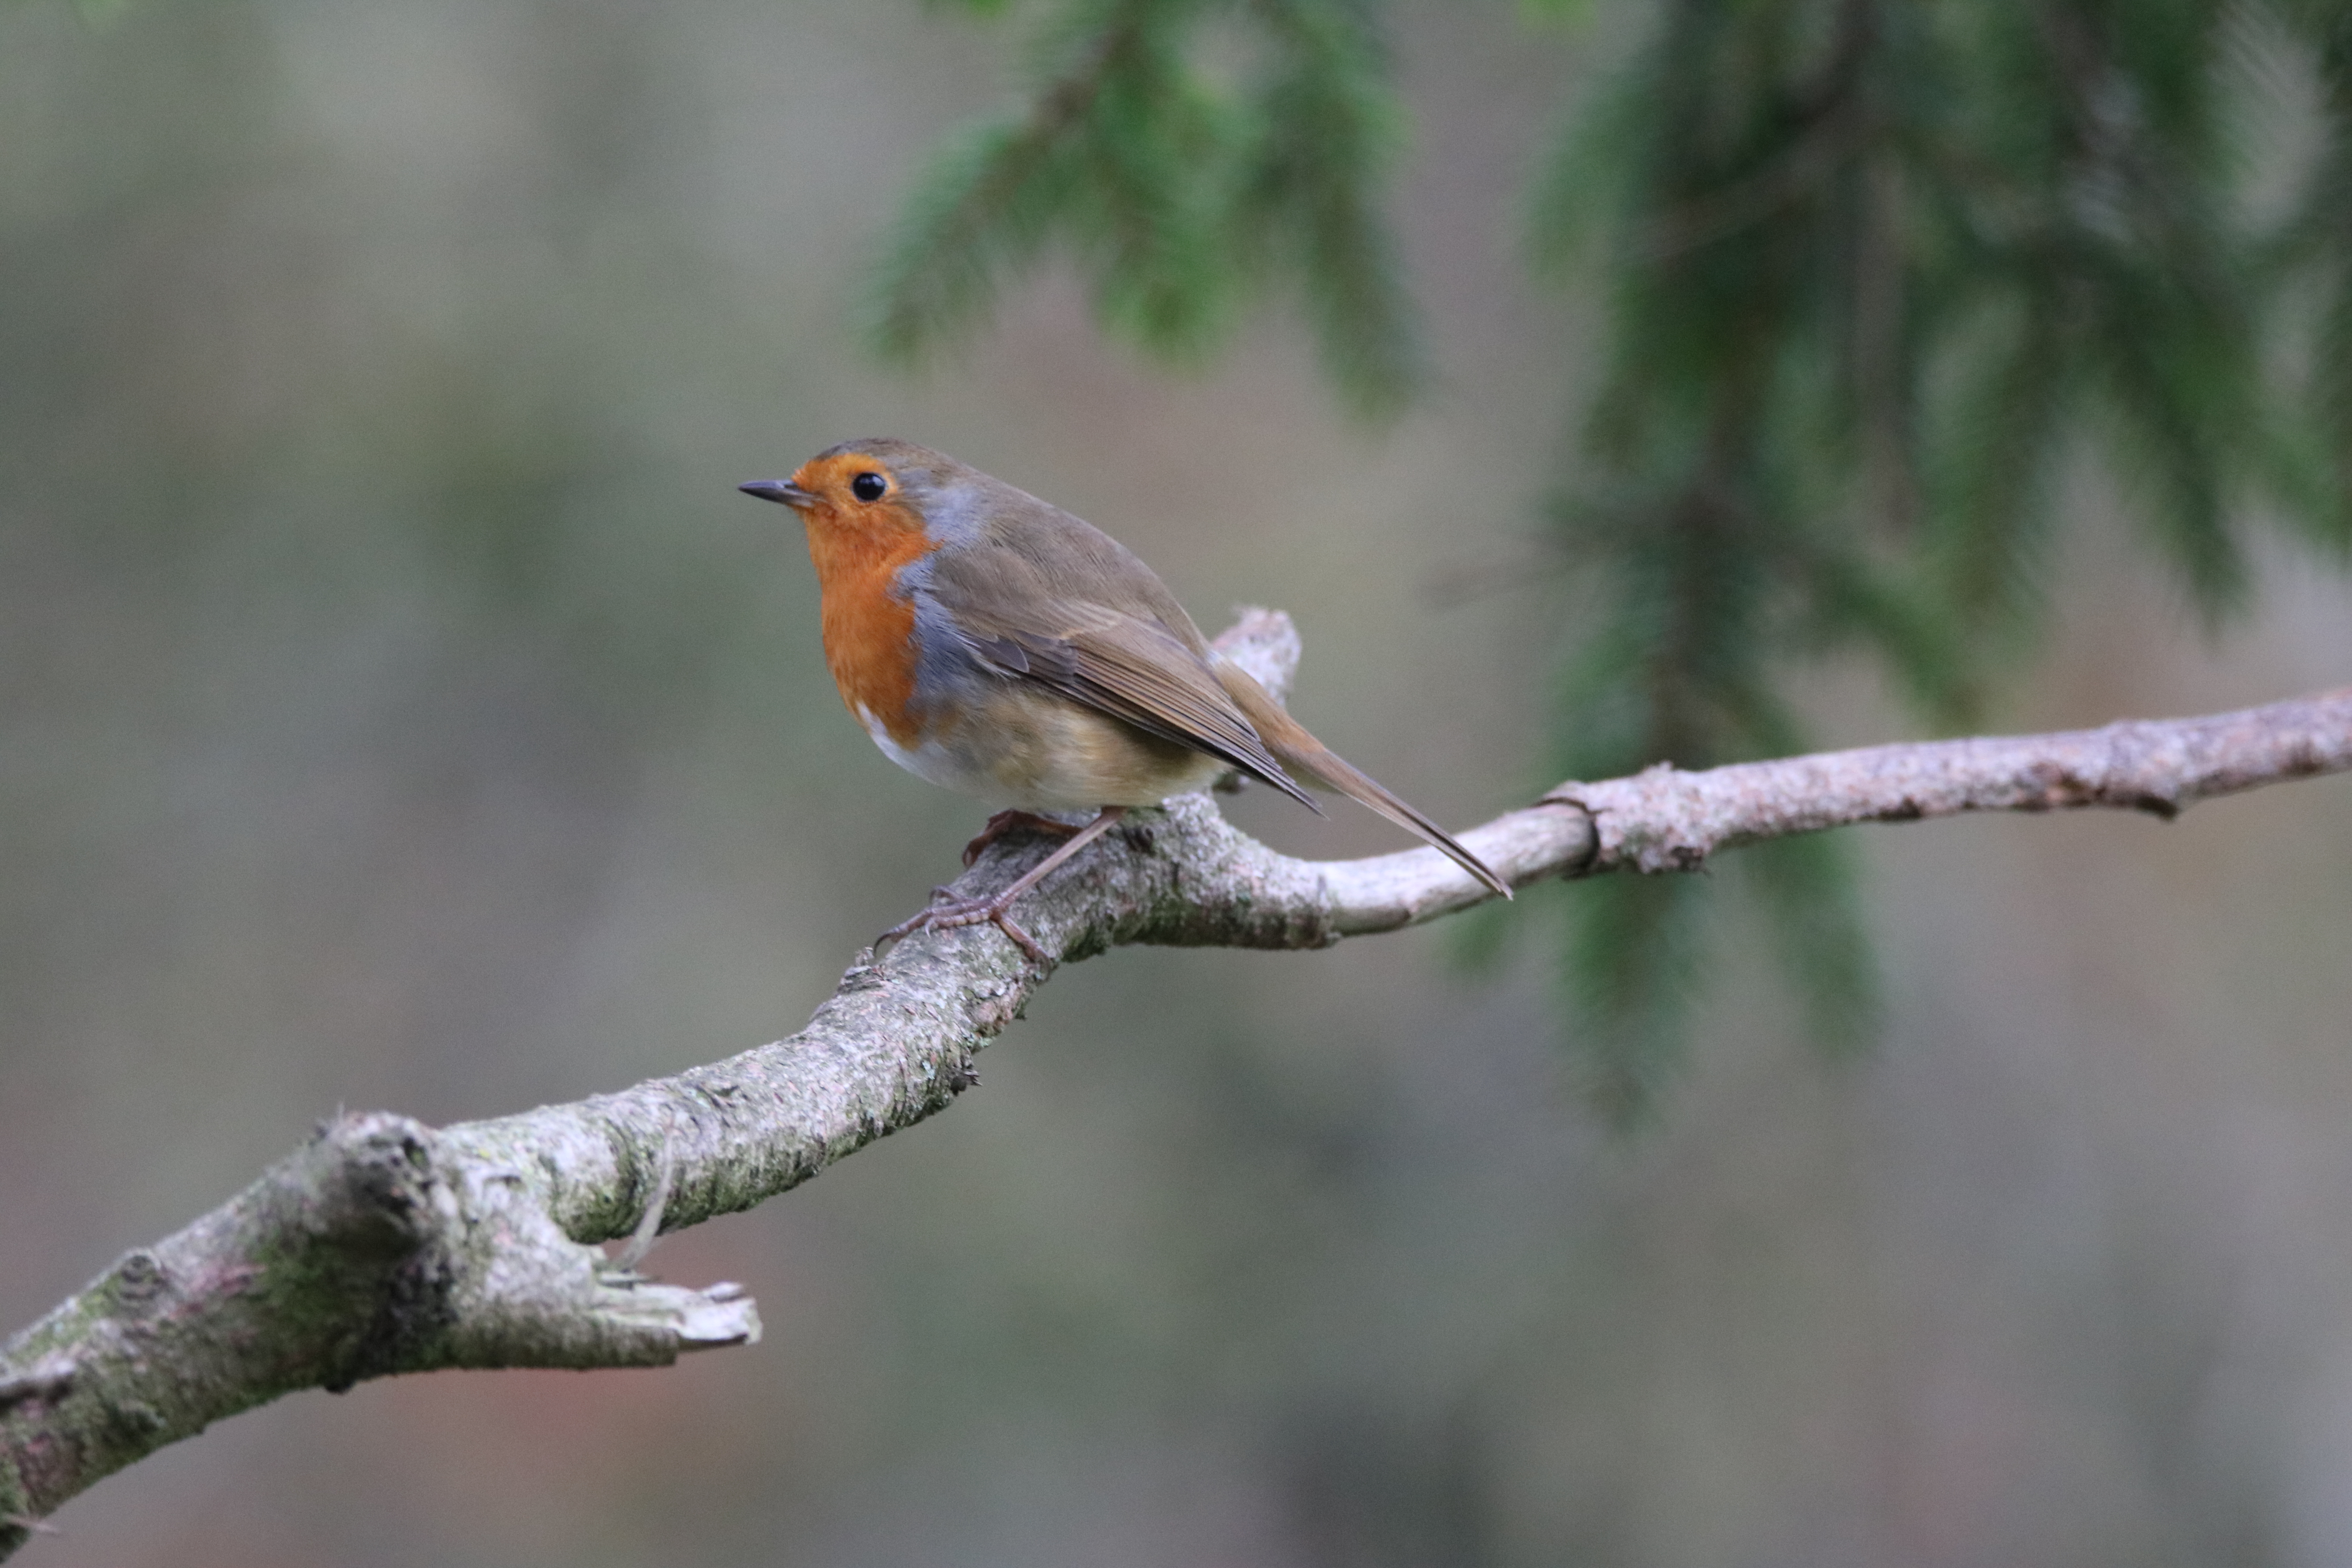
(1005, 822)
(972, 911)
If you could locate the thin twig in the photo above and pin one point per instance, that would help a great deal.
(648, 1231)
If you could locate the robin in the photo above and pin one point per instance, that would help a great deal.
(1000, 647)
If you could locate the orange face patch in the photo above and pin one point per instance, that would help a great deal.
(858, 547)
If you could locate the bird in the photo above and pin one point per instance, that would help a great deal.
(999, 646)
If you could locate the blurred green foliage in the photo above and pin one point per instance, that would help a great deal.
(1878, 270)
(1181, 192)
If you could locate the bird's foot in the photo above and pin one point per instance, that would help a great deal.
(972, 911)
(964, 912)
(1014, 821)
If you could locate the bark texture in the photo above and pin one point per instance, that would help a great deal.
(385, 1245)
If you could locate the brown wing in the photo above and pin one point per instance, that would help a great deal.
(1310, 759)
(1082, 616)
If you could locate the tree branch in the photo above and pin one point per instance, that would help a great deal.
(385, 1245)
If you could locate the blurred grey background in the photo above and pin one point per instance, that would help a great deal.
(399, 708)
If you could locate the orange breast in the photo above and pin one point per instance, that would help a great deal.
(870, 633)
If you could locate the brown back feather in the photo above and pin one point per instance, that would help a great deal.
(1054, 600)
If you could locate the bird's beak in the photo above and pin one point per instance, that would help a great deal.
(784, 490)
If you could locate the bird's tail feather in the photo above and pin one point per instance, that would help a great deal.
(1302, 754)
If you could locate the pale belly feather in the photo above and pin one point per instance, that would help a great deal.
(1044, 752)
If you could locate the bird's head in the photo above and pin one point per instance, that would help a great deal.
(876, 488)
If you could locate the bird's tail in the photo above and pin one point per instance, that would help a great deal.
(1309, 758)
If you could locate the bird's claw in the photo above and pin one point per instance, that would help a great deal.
(1005, 822)
(972, 911)
(965, 912)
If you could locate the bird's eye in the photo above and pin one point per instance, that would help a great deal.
(868, 486)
